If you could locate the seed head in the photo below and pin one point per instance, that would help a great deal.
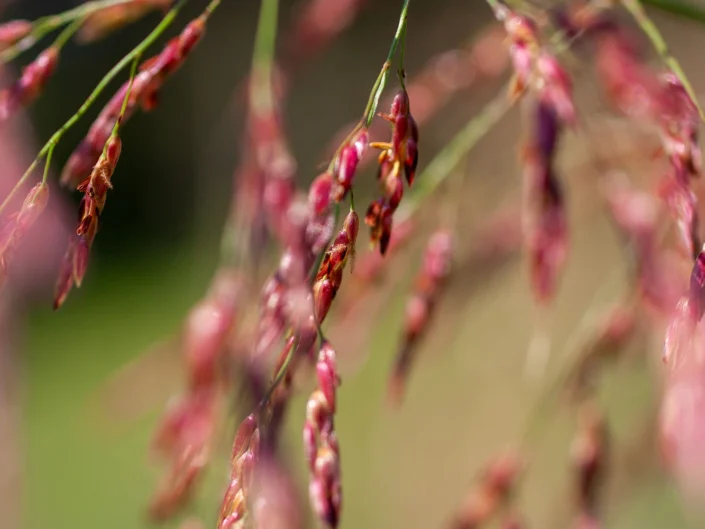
(18, 224)
(30, 84)
(105, 21)
(13, 31)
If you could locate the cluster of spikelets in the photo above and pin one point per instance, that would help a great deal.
(297, 297)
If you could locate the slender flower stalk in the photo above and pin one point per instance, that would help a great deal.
(145, 94)
(102, 85)
(35, 76)
(95, 189)
(640, 16)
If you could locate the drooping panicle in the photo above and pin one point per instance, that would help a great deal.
(398, 156)
(185, 433)
(321, 442)
(545, 221)
(13, 31)
(30, 84)
(431, 279)
(589, 454)
(14, 227)
(245, 454)
(493, 491)
(144, 94)
(95, 189)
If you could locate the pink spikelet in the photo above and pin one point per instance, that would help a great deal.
(321, 443)
(95, 189)
(682, 430)
(329, 276)
(491, 493)
(13, 31)
(589, 454)
(275, 504)
(101, 23)
(15, 226)
(245, 455)
(30, 84)
(184, 436)
(545, 222)
(398, 156)
(430, 281)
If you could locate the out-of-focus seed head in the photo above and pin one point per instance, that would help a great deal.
(556, 87)
(30, 84)
(697, 286)
(206, 331)
(105, 21)
(319, 194)
(192, 34)
(682, 431)
(275, 504)
(325, 488)
(326, 371)
(33, 206)
(12, 31)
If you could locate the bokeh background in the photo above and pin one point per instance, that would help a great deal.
(86, 385)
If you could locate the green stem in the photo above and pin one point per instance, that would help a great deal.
(47, 164)
(45, 25)
(104, 82)
(211, 7)
(67, 33)
(381, 81)
(123, 108)
(262, 97)
(642, 19)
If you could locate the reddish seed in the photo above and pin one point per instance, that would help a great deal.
(319, 194)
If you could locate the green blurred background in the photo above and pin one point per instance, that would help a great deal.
(91, 395)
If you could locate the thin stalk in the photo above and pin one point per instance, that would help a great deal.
(380, 83)
(383, 77)
(261, 93)
(211, 7)
(123, 108)
(642, 19)
(68, 32)
(261, 102)
(104, 82)
(45, 25)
